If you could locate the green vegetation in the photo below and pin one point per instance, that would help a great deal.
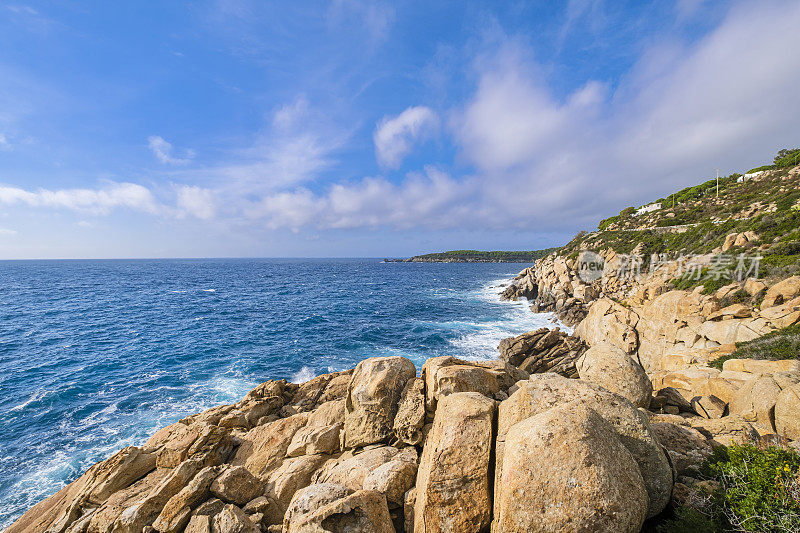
(781, 344)
(753, 489)
(477, 256)
(698, 278)
(695, 221)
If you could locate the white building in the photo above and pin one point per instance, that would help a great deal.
(648, 208)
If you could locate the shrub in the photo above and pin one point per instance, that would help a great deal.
(759, 169)
(606, 222)
(758, 490)
(787, 158)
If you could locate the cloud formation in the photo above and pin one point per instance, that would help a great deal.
(97, 201)
(163, 151)
(395, 137)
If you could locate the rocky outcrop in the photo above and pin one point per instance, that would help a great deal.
(543, 350)
(423, 456)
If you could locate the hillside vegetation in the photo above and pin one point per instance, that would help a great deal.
(699, 219)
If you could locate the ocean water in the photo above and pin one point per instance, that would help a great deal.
(97, 355)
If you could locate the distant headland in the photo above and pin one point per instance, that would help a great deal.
(476, 256)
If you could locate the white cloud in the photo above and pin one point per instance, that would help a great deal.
(4, 144)
(98, 201)
(395, 137)
(163, 151)
(4, 231)
(374, 16)
(195, 201)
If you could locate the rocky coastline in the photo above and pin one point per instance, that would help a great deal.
(600, 430)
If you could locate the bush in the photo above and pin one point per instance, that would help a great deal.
(758, 490)
(760, 487)
(759, 169)
(606, 222)
(787, 158)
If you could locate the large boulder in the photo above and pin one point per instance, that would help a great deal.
(372, 397)
(606, 365)
(569, 472)
(410, 416)
(543, 350)
(787, 413)
(687, 447)
(545, 391)
(264, 447)
(453, 487)
(755, 401)
(236, 485)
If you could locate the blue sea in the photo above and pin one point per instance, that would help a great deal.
(97, 355)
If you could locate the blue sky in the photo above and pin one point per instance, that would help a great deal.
(349, 128)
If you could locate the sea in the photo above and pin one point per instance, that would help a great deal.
(98, 355)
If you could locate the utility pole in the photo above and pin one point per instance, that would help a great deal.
(717, 183)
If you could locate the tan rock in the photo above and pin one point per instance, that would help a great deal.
(761, 366)
(372, 398)
(232, 520)
(293, 475)
(236, 485)
(447, 375)
(569, 472)
(394, 478)
(144, 513)
(452, 489)
(361, 512)
(211, 444)
(199, 524)
(735, 311)
(410, 413)
(175, 515)
(611, 368)
(755, 401)
(782, 291)
(709, 406)
(327, 414)
(545, 391)
(687, 447)
(787, 413)
(351, 468)
(753, 286)
(314, 440)
(783, 315)
(313, 497)
(264, 447)
(731, 429)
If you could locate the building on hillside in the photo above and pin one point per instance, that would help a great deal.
(649, 208)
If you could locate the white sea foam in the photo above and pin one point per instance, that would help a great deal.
(303, 375)
(209, 290)
(516, 319)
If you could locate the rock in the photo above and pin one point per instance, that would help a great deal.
(236, 485)
(453, 488)
(327, 414)
(753, 286)
(313, 497)
(447, 375)
(686, 446)
(569, 472)
(271, 512)
(292, 475)
(735, 311)
(611, 368)
(232, 520)
(144, 513)
(175, 515)
(730, 241)
(210, 444)
(673, 397)
(755, 401)
(545, 391)
(314, 440)
(264, 447)
(787, 413)
(394, 478)
(782, 291)
(543, 350)
(761, 366)
(410, 413)
(409, 500)
(350, 469)
(199, 524)
(731, 429)
(709, 406)
(372, 397)
(361, 512)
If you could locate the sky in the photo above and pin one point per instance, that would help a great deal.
(355, 128)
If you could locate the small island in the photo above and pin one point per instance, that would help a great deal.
(476, 256)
